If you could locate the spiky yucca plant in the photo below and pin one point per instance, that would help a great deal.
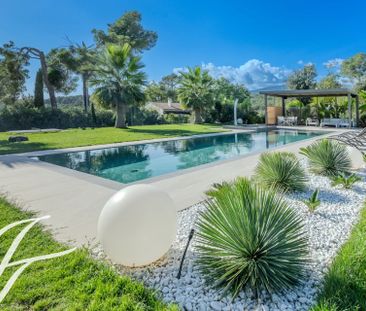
(281, 170)
(327, 157)
(248, 236)
(345, 180)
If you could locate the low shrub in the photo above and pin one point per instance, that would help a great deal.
(346, 181)
(313, 202)
(21, 117)
(247, 236)
(281, 170)
(176, 118)
(327, 157)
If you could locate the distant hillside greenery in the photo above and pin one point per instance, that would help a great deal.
(72, 100)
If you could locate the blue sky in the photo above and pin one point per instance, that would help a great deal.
(253, 42)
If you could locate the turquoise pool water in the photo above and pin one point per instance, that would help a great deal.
(137, 162)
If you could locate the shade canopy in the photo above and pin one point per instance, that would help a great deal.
(310, 93)
(284, 94)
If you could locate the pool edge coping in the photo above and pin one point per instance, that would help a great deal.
(115, 185)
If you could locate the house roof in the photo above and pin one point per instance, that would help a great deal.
(169, 107)
(311, 93)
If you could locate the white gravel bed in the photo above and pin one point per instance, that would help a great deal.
(328, 228)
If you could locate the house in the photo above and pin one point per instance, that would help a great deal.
(167, 108)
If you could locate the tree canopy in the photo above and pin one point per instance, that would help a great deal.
(196, 91)
(303, 79)
(13, 73)
(355, 69)
(127, 29)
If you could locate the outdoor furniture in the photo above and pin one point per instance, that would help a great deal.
(356, 139)
(280, 120)
(330, 122)
(344, 123)
(311, 122)
(291, 121)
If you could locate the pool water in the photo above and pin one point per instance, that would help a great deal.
(128, 164)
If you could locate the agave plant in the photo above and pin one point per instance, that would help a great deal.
(345, 180)
(281, 170)
(313, 202)
(327, 157)
(216, 187)
(247, 236)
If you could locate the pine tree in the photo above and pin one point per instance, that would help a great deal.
(38, 90)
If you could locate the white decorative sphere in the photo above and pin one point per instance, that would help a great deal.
(137, 225)
(356, 158)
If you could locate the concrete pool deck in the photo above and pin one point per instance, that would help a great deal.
(74, 199)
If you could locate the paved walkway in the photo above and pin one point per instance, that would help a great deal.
(74, 199)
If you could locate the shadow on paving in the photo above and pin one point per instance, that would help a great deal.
(20, 147)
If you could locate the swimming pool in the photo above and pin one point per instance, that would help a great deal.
(132, 163)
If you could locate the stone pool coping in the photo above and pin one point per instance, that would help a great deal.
(75, 199)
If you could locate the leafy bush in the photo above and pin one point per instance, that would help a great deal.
(345, 180)
(21, 117)
(313, 202)
(176, 118)
(281, 170)
(247, 236)
(327, 157)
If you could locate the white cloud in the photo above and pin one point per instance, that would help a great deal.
(300, 62)
(254, 74)
(334, 64)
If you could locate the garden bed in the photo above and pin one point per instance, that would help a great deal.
(328, 228)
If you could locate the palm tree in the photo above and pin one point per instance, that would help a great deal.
(118, 81)
(195, 91)
(82, 62)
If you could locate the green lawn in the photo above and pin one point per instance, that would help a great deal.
(73, 282)
(345, 283)
(88, 137)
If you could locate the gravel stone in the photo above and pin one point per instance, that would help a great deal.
(327, 228)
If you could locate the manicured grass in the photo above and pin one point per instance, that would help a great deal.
(88, 137)
(345, 283)
(72, 282)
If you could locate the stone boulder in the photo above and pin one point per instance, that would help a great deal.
(17, 139)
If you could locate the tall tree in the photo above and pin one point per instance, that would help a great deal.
(13, 73)
(79, 59)
(303, 79)
(38, 54)
(155, 92)
(355, 69)
(38, 90)
(170, 84)
(118, 81)
(127, 29)
(196, 91)
(60, 75)
(330, 81)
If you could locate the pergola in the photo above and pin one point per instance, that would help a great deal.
(284, 94)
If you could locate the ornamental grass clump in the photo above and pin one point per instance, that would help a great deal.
(281, 170)
(248, 236)
(328, 158)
